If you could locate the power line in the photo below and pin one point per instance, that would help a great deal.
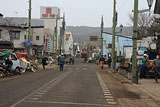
(122, 5)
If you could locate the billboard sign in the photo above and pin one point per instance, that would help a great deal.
(49, 12)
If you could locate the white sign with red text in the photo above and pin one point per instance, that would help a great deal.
(49, 12)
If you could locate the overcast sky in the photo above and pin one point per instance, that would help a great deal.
(78, 12)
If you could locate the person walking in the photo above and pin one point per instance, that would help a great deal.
(143, 70)
(44, 62)
(101, 60)
(61, 62)
(73, 59)
(109, 62)
(156, 64)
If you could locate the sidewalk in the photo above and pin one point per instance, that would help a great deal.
(148, 86)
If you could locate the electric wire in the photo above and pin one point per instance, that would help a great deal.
(122, 5)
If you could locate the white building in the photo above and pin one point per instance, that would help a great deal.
(68, 42)
(52, 20)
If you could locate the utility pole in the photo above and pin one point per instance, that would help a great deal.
(29, 28)
(63, 32)
(135, 34)
(102, 24)
(56, 34)
(113, 36)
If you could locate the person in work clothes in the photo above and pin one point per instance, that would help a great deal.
(61, 62)
(101, 60)
(156, 68)
(73, 59)
(44, 62)
(144, 69)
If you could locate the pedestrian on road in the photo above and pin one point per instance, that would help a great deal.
(44, 62)
(109, 62)
(156, 68)
(61, 61)
(101, 60)
(70, 59)
(144, 69)
(73, 59)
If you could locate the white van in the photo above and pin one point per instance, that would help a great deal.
(16, 63)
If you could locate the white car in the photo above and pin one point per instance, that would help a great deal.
(16, 63)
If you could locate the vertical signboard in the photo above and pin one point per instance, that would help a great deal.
(49, 12)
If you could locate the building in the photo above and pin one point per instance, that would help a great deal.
(120, 43)
(68, 42)
(48, 41)
(15, 29)
(45, 32)
(52, 21)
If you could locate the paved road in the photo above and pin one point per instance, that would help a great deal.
(79, 85)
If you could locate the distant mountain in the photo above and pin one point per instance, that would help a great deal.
(82, 33)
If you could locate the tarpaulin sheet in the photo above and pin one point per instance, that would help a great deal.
(5, 53)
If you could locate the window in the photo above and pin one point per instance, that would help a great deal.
(37, 37)
(25, 37)
(15, 34)
(13, 57)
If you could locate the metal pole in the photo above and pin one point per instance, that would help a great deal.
(29, 27)
(63, 32)
(102, 35)
(56, 34)
(135, 34)
(113, 36)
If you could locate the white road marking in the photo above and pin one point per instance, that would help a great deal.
(69, 103)
(37, 95)
(108, 97)
(84, 68)
(33, 98)
(77, 68)
(55, 81)
(47, 89)
(41, 93)
(111, 102)
(106, 92)
(106, 89)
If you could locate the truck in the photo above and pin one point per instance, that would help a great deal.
(84, 53)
